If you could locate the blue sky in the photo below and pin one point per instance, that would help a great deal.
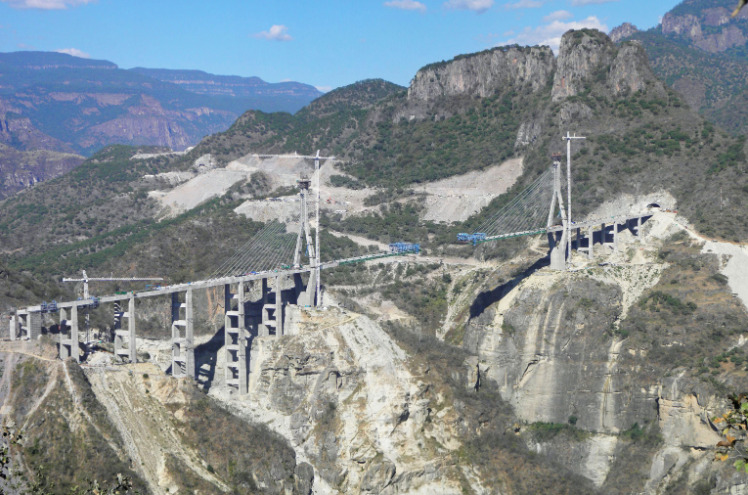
(327, 43)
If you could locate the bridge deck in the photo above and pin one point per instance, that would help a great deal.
(595, 222)
(215, 282)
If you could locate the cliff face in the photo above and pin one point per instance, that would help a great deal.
(22, 169)
(623, 31)
(525, 70)
(484, 74)
(709, 29)
(699, 49)
(587, 55)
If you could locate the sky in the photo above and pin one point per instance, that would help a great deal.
(326, 43)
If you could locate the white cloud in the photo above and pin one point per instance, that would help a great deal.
(45, 4)
(577, 3)
(324, 89)
(406, 5)
(474, 5)
(550, 33)
(524, 4)
(74, 52)
(559, 15)
(277, 32)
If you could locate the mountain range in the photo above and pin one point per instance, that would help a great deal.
(702, 52)
(57, 103)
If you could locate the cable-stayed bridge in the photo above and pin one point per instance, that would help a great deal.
(540, 209)
(269, 267)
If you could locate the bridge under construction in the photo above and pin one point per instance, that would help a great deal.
(264, 277)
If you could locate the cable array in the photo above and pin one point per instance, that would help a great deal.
(268, 249)
(526, 211)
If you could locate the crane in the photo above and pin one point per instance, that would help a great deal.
(86, 294)
(86, 280)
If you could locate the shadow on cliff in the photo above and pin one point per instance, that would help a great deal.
(487, 298)
(206, 355)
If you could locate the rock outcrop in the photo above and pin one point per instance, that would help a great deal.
(710, 29)
(483, 74)
(623, 31)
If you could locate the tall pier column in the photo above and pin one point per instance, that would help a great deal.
(615, 236)
(278, 306)
(15, 322)
(182, 336)
(34, 321)
(69, 334)
(590, 248)
(235, 336)
(131, 331)
(63, 347)
(124, 340)
(263, 330)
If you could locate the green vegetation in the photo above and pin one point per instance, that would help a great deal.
(62, 458)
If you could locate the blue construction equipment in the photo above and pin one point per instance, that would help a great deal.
(48, 307)
(475, 238)
(405, 247)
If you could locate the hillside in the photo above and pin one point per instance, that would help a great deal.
(701, 52)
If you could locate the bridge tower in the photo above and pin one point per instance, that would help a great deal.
(305, 238)
(558, 245)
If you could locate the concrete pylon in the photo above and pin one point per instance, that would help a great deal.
(124, 340)
(69, 334)
(235, 339)
(182, 336)
(615, 236)
(279, 305)
(590, 243)
(558, 248)
(34, 323)
(15, 322)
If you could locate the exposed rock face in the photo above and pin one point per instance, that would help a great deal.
(588, 55)
(623, 31)
(22, 169)
(692, 27)
(340, 390)
(483, 74)
(630, 71)
(580, 55)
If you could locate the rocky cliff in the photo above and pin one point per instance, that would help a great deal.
(699, 50)
(22, 169)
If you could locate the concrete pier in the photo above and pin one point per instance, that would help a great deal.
(124, 340)
(235, 338)
(34, 325)
(69, 335)
(182, 336)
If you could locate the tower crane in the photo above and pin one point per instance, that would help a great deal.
(86, 295)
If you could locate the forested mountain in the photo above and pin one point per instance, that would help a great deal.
(702, 52)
